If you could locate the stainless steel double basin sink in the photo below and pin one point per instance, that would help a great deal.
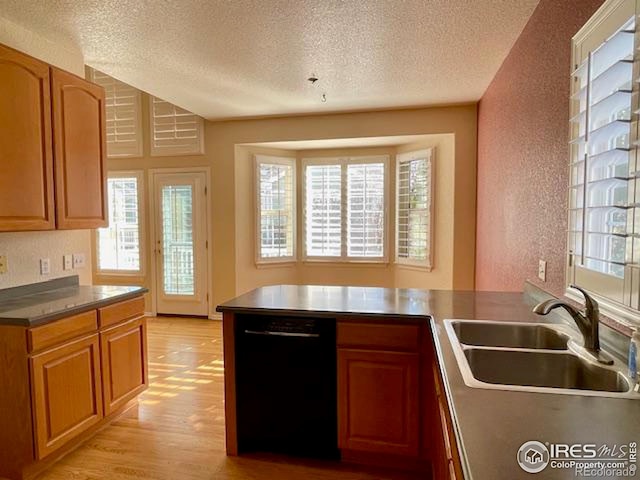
(532, 357)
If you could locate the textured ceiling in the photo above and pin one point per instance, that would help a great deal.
(224, 59)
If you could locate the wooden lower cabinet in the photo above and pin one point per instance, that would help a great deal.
(64, 380)
(378, 394)
(446, 461)
(66, 393)
(124, 363)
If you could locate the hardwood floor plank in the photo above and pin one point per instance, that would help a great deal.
(178, 430)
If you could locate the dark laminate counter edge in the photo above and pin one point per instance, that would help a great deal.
(383, 317)
(37, 320)
(452, 411)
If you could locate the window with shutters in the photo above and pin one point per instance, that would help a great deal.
(414, 208)
(345, 209)
(276, 206)
(124, 117)
(604, 170)
(174, 130)
(119, 244)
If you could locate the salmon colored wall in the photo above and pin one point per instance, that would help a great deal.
(523, 153)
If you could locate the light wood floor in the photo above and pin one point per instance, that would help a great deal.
(178, 432)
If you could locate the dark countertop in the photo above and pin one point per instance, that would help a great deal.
(491, 425)
(318, 301)
(34, 305)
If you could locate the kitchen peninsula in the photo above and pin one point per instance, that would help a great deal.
(402, 401)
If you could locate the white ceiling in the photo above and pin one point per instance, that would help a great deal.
(225, 59)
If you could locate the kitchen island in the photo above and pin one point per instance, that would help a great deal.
(483, 429)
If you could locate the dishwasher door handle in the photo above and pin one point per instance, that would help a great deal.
(282, 334)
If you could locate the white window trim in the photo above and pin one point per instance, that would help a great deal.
(173, 151)
(343, 162)
(268, 159)
(141, 272)
(429, 154)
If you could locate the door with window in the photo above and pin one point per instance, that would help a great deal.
(180, 250)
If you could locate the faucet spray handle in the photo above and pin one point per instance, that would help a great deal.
(590, 304)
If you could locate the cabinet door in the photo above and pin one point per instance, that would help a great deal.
(124, 363)
(26, 152)
(378, 401)
(80, 152)
(66, 393)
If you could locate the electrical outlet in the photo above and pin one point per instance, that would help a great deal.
(45, 266)
(3, 264)
(542, 270)
(67, 262)
(78, 260)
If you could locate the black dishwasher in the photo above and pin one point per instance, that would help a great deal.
(286, 385)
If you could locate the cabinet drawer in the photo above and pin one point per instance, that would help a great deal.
(379, 336)
(60, 331)
(119, 312)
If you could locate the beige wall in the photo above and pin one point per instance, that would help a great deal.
(232, 270)
(24, 250)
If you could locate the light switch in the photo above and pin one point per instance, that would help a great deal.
(78, 260)
(67, 262)
(45, 266)
(3, 264)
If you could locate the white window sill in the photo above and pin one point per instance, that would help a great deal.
(345, 263)
(275, 263)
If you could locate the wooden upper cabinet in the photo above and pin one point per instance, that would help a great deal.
(26, 154)
(80, 152)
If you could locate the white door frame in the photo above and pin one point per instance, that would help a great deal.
(153, 237)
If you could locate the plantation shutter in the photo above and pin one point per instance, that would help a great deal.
(365, 211)
(276, 208)
(124, 119)
(174, 130)
(323, 210)
(414, 208)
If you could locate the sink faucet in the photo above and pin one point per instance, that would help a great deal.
(587, 321)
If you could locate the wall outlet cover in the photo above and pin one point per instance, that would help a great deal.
(45, 266)
(67, 262)
(79, 260)
(542, 270)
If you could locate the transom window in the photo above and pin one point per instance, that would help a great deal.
(118, 245)
(345, 208)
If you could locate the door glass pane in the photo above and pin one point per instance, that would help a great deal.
(177, 239)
